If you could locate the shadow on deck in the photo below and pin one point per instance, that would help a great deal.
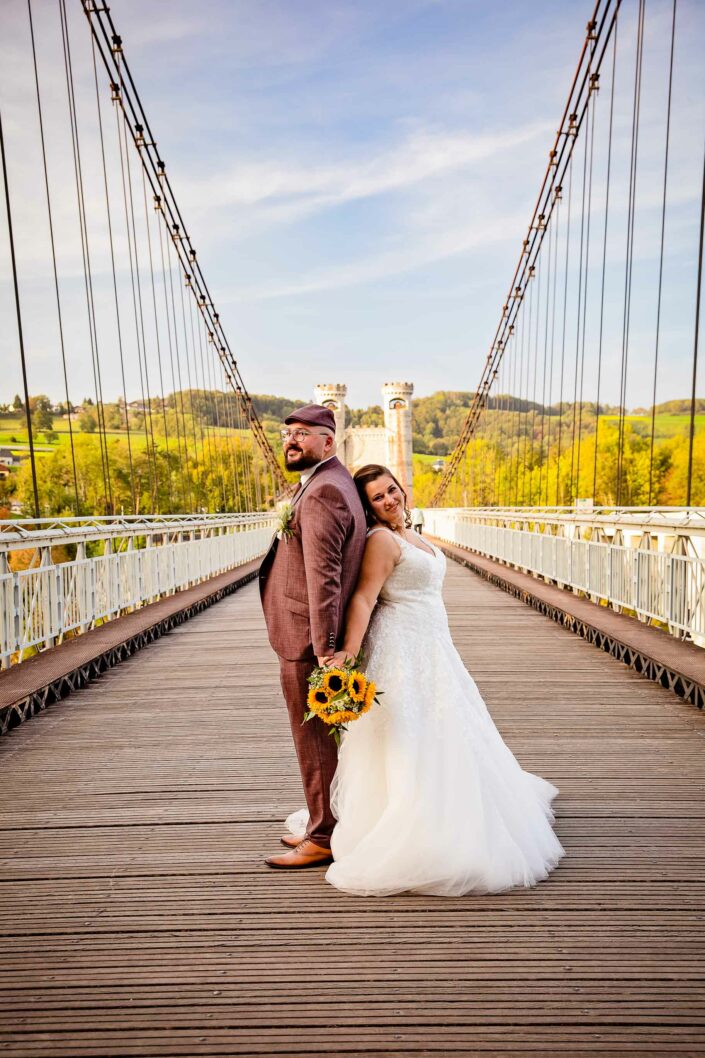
(138, 919)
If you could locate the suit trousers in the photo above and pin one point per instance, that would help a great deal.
(315, 748)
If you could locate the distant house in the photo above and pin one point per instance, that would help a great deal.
(9, 458)
(438, 464)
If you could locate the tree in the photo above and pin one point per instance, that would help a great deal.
(40, 414)
(17, 404)
(87, 421)
(113, 417)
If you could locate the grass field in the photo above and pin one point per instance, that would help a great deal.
(665, 426)
(424, 458)
(13, 435)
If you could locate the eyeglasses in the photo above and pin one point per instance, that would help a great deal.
(299, 435)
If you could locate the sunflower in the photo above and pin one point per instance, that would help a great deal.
(334, 680)
(341, 717)
(317, 700)
(357, 685)
(370, 694)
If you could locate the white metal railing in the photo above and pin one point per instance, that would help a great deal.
(139, 561)
(650, 561)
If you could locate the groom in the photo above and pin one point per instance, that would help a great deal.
(306, 579)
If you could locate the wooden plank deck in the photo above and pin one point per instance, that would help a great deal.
(27, 688)
(137, 918)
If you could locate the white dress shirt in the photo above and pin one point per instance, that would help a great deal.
(306, 474)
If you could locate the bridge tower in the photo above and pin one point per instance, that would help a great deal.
(396, 402)
(332, 395)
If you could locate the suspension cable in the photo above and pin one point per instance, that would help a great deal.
(199, 477)
(162, 392)
(135, 289)
(545, 367)
(585, 289)
(604, 261)
(177, 354)
(87, 273)
(661, 248)
(536, 361)
(553, 336)
(181, 442)
(214, 389)
(62, 345)
(559, 490)
(631, 213)
(582, 273)
(115, 288)
(149, 424)
(203, 418)
(18, 311)
(696, 340)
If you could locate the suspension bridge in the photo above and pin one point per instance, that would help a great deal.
(145, 762)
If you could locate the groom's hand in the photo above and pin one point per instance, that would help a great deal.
(332, 661)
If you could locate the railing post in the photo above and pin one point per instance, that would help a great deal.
(9, 619)
(17, 621)
(49, 594)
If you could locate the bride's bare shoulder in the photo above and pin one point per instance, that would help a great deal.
(382, 542)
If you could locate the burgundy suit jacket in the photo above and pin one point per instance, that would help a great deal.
(306, 579)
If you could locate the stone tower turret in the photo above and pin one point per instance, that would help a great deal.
(333, 396)
(396, 402)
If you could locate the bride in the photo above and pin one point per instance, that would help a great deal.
(427, 796)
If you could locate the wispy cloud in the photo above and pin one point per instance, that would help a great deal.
(276, 192)
(437, 246)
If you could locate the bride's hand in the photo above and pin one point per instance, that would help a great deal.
(336, 660)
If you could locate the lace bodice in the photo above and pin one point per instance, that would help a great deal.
(418, 575)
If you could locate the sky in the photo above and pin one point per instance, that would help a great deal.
(357, 177)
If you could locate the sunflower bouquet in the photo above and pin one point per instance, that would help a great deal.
(340, 695)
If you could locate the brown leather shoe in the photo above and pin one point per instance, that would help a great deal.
(292, 840)
(306, 854)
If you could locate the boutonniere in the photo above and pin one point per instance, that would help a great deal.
(286, 513)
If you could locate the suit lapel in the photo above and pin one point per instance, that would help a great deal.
(302, 488)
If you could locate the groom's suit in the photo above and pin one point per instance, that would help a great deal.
(306, 580)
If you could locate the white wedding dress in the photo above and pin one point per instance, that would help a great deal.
(428, 797)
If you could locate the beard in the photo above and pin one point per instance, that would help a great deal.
(300, 461)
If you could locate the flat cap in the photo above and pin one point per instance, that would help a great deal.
(313, 415)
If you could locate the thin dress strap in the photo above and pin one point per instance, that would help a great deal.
(399, 539)
(384, 529)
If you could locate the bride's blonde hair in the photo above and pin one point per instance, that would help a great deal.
(363, 477)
